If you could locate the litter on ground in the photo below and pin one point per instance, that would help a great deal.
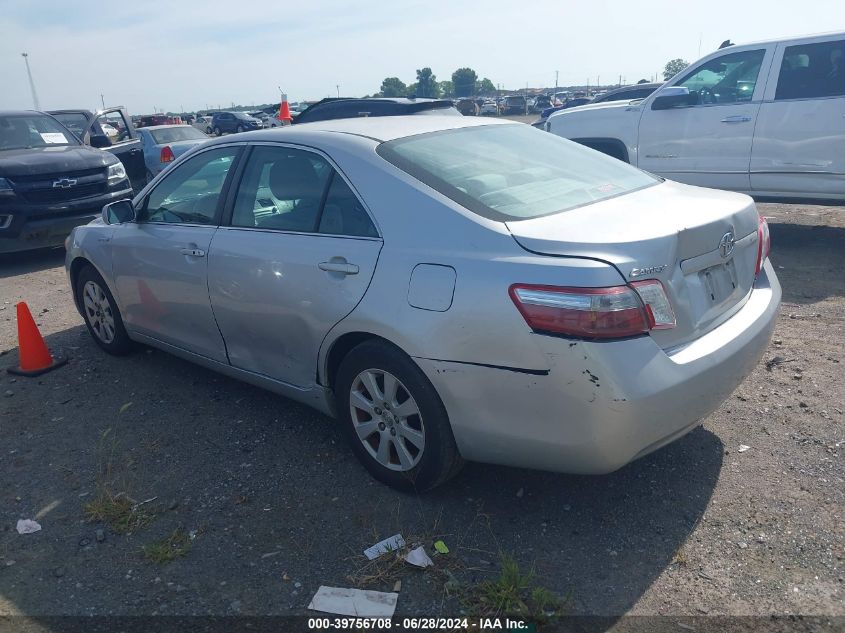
(418, 557)
(355, 602)
(28, 526)
(383, 547)
(440, 546)
(742, 448)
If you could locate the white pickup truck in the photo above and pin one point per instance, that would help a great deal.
(766, 118)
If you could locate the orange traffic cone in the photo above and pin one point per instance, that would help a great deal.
(284, 111)
(33, 356)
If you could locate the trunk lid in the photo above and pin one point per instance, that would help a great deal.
(671, 232)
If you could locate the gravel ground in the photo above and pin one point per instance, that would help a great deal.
(278, 505)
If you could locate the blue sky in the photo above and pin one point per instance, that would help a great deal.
(158, 54)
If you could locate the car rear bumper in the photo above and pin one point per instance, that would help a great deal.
(600, 405)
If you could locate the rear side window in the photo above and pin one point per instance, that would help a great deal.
(287, 189)
(512, 172)
(812, 70)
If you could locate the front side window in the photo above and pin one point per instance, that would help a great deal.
(812, 70)
(287, 189)
(512, 172)
(190, 193)
(32, 130)
(730, 78)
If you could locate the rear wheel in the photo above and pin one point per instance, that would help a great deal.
(394, 419)
(240, 129)
(99, 309)
(208, 130)
(217, 132)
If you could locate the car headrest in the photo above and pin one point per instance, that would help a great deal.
(294, 178)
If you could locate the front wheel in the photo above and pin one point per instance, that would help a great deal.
(240, 129)
(394, 419)
(101, 314)
(217, 132)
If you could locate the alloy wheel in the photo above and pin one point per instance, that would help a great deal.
(387, 419)
(98, 311)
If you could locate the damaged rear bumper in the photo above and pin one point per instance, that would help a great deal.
(601, 405)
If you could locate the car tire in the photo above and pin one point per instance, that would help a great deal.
(209, 131)
(218, 132)
(240, 129)
(411, 421)
(100, 312)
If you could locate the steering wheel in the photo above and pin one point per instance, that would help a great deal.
(706, 95)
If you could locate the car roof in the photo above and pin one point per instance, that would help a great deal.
(150, 128)
(793, 38)
(379, 129)
(22, 112)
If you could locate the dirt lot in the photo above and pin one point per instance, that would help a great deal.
(277, 505)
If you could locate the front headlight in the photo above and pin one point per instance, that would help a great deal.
(117, 172)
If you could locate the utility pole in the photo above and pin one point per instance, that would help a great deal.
(556, 77)
(103, 100)
(31, 83)
(598, 82)
(338, 90)
(620, 81)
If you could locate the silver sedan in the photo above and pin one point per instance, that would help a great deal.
(449, 288)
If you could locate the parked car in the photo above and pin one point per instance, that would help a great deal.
(163, 144)
(353, 261)
(467, 107)
(231, 122)
(627, 93)
(515, 104)
(203, 124)
(489, 108)
(764, 118)
(110, 130)
(575, 102)
(148, 120)
(344, 108)
(50, 182)
(261, 116)
(541, 102)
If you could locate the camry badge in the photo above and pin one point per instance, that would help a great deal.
(648, 270)
(726, 245)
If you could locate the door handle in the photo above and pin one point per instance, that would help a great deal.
(339, 267)
(193, 252)
(737, 118)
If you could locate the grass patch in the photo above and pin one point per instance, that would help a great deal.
(168, 549)
(514, 593)
(118, 511)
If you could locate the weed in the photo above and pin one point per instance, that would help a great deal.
(174, 546)
(514, 593)
(118, 511)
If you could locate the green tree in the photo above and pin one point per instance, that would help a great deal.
(673, 67)
(485, 87)
(464, 80)
(447, 88)
(427, 85)
(393, 87)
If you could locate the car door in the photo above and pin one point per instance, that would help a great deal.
(160, 263)
(707, 142)
(295, 257)
(799, 142)
(117, 135)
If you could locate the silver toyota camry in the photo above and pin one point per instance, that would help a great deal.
(449, 288)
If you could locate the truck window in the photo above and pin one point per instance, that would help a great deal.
(812, 70)
(730, 78)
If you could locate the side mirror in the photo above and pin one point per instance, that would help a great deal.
(674, 97)
(118, 212)
(100, 141)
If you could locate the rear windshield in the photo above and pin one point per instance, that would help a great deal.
(176, 134)
(23, 131)
(512, 172)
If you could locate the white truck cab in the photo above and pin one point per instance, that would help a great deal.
(765, 118)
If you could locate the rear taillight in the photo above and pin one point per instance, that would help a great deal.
(166, 155)
(613, 312)
(764, 244)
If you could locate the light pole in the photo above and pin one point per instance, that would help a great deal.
(103, 100)
(338, 90)
(556, 74)
(31, 83)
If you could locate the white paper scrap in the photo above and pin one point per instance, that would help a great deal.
(383, 547)
(53, 137)
(418, 557)
(28, 526)
(742, 448)
(355, 602)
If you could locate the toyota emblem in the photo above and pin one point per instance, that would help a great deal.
(726, 245)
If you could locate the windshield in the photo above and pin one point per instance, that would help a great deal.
(74, 121)
(32, 130)
(176, 134)
(512, 172)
